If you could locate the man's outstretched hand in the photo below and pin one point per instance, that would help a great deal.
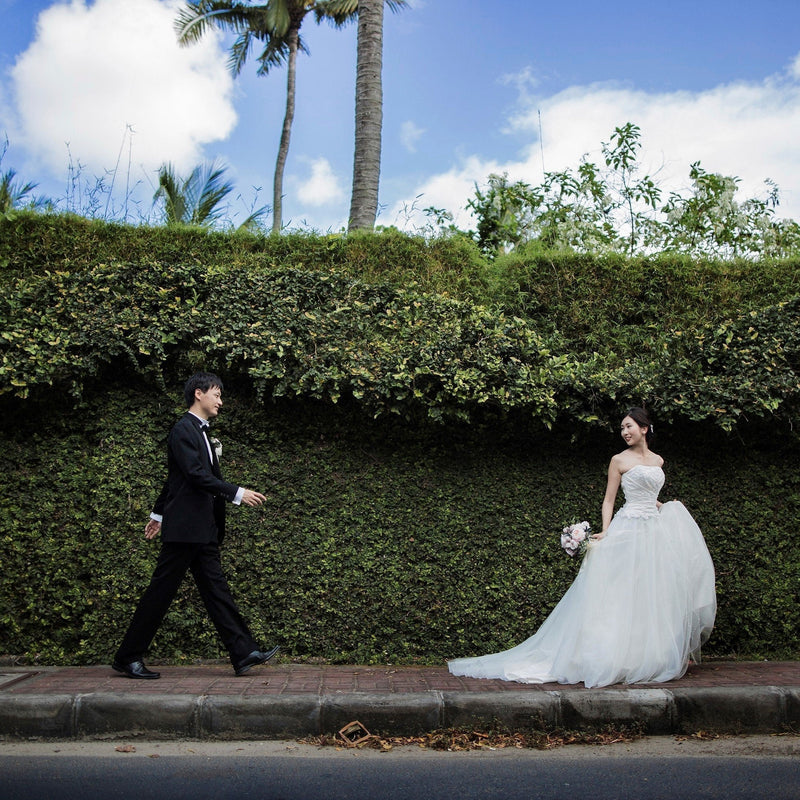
(251, 498)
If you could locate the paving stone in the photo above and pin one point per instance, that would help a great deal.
(284, 699)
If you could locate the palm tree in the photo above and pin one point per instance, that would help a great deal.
(194, 200)
(276, 24)
(13, 193)
(369, 105)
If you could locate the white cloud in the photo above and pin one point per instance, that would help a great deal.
(525, 82)
(93, 70)
(410, 134)
(744, 129)
(322, 187)
(448, 191)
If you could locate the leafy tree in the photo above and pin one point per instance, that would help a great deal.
(587, 209)
(595, 209)
(706, 220)
(568, 210)
(620, 155)
(615, 209)
(711, 222)
(504, 212)
(781, 238)
(575, 211)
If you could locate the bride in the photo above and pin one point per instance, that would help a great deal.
(643, 601)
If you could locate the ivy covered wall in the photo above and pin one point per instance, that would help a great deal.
(377, 544)
(422, 442)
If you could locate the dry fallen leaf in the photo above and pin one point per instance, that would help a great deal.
(460, 739)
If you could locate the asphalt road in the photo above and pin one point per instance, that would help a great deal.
(660, 768)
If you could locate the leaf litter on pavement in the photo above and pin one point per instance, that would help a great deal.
(497, 737)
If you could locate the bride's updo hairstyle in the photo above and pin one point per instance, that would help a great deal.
(642, 419)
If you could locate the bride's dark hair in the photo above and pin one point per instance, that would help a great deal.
(642, 419)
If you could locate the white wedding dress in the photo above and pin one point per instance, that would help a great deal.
(640, 607)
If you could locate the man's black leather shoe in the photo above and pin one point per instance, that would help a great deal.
(136, 669)
(256, 657)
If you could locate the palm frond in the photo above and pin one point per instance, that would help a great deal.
(196, 18)
(268, 22)
(213, 189)
(253, 221)
(337, 12)
(194, 200)
(171, 192)
(274, 54)
(240, 49)
(191, 189)
(11, 193)
(276, 18)
(340, 12)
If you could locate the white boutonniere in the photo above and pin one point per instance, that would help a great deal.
(217, 445)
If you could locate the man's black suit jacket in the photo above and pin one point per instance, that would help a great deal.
(192, 502)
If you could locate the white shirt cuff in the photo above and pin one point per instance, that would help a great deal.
(156, 517)
(237, 501)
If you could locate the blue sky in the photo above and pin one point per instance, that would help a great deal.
(466, 84)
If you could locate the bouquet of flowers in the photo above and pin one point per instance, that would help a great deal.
(575, 538)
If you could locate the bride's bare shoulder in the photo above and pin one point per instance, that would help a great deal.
(619, 462)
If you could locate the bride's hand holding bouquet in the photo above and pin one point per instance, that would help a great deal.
(576, 538)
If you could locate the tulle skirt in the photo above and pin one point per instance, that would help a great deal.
(641, 606)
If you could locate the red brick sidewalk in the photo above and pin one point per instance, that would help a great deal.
(304, 679)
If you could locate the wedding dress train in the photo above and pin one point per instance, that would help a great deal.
(641, 606)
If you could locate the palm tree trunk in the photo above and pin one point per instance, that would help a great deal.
(369, 115)
(286, 133)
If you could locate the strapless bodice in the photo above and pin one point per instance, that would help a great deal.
(641, 485)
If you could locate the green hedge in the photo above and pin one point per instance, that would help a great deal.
(422, 428)
(378, 544)
(32, 243)
(606, 303)
(397, 351)
(617, 305)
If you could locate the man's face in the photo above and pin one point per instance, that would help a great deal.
(208, 403)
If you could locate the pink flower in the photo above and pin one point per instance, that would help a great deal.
(575, 537)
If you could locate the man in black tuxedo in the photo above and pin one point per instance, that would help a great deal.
(190, 515)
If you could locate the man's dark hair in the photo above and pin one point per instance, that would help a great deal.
(202, 381)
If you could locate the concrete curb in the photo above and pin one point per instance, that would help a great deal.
(752, 709)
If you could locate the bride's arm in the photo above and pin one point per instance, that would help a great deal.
(658, 502)
(612, 487)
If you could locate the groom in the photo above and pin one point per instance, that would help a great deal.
(190, 515)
